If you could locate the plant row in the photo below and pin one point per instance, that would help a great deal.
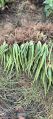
(34, 59)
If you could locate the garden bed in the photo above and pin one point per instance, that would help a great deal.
(23, 21)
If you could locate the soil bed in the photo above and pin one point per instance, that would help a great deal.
(21, 22)
(24, 21)
(17, 92)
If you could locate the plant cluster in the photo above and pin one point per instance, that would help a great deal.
(3, 2)
(48, 7)
(35, 59)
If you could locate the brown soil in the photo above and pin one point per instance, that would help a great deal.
(35, 32)
(23, 21)
(19, 22)
(17, 97)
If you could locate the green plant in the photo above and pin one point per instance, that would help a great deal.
(3, 2)
(35, 59)
(48, 7)
(43, 65)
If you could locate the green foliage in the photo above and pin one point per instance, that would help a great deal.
(3, 2)
(35, 59)
(48, 7)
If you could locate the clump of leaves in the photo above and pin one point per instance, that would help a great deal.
(35, 59)
(3, 2)
(48, 7)
(44, 70)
